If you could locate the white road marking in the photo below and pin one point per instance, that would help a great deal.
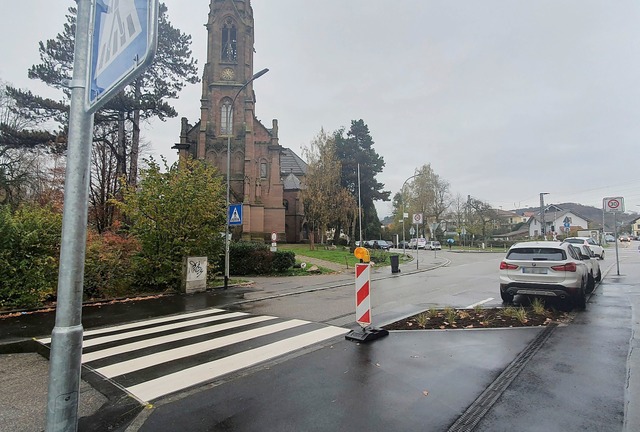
(140, 323)
(479, 303)
(150, 331)
(155, 388)
(189, 350)
(89, 357)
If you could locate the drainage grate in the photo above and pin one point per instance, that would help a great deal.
(479, 408)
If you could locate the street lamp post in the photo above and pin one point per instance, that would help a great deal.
(543, 229)
(404, 247)
(229, 133)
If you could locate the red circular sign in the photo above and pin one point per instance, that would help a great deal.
(614, 203)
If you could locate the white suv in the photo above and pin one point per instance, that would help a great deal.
(595, 247)
(544, 268)
(433, 245)
(421, 243)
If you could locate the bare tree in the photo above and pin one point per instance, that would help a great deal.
(428, 194)
(480, 215)
(325, 201)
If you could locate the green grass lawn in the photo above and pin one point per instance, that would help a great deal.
(340, 255)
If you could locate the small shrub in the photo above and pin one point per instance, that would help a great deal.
(538, 306)
(29, 251)
(283, 261)
(378, 256)
(422, 319)
(450, 315)
(246, 258)
(108, 268)
(433, 312)
(518, 313)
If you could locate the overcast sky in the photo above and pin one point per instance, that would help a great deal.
(504, 98)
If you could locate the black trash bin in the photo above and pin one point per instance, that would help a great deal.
(395, 263)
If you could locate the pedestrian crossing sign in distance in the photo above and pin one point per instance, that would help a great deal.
(235, 214)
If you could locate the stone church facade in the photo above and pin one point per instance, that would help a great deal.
(264, 176)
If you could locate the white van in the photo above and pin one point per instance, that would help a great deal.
(421, 242)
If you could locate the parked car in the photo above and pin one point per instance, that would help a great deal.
(380, 244)
(433, 245)
(421, 243)
(544, 268)
(591, 260)
(595, 247)
(403, 244)
(609, 238)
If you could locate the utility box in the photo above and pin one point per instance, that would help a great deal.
(194, 275)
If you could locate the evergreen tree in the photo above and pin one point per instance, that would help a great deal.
(173, 67)
(353, 150)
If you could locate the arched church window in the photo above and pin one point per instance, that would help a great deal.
(285, 203)
(263, 170)
(226, 118)
(229, 41)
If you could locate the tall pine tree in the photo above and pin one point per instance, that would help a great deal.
(353, 150)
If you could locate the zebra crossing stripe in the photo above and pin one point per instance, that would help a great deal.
(181, 380)
(149, 331)
(165, 319)
(154, 359)
(120, 349)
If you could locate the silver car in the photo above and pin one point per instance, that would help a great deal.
(544, 268)
(595, 247)
(591, 260)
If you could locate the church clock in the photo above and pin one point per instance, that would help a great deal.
(227, 74)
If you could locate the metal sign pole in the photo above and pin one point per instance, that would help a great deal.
(417, 237)
(66, 338)
(615, 233)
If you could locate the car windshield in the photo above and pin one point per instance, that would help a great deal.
(591, 241)
(537, 254)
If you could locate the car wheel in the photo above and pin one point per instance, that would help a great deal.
(506, 297)
(591, 283)
(580, 300)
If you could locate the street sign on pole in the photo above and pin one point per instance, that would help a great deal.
(613, 205)
(235, 214)
(66, 337)
(433, 228)
(417, 218)
(123, 42)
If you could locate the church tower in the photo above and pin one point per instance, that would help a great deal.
(227, 110)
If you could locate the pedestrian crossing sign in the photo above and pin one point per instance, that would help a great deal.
(235, 214)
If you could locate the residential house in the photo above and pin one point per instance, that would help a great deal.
(556, 221)
(635, 227)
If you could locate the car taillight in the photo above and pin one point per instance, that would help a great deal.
(570, 267)
(506, 266)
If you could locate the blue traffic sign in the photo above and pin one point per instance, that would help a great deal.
(235, 214)
(124, 40)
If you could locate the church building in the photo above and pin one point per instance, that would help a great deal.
(264, 176)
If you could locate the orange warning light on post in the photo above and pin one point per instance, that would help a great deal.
(362, 254)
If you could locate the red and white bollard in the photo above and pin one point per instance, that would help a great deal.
(363, 307)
